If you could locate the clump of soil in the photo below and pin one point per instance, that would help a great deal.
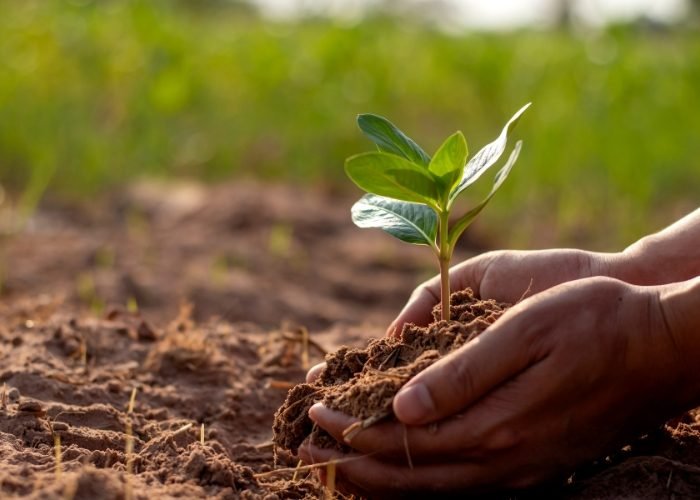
(363, 382)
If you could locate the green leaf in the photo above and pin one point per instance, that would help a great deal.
(390, 139)
(449, 160)
(463, 222)
(487, 156)
(410, 222)
(392, 176)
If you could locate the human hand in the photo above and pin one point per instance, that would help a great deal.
(561, 378)
(506, 276)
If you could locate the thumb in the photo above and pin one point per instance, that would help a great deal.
(465, 375)
(418, 309)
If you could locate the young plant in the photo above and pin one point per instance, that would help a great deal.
(411, 195)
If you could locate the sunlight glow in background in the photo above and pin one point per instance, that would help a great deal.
(493, 14)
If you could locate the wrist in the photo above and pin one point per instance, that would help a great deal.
(619, 265)
(658, 259)
(636, 265)
(679, 305)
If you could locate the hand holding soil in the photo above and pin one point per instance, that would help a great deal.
(562, 378)
(665, 257)
(506, 276)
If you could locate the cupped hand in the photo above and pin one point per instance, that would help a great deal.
(563, 377)
(503, 275)
(506, 276)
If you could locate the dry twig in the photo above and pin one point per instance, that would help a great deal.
(330, 480)
(286, 470)
(353, 430)
(57, 455)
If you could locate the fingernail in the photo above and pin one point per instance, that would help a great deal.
(413, 403)
(313, 411)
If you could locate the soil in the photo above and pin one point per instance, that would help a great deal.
(362, 382)
(198, 302)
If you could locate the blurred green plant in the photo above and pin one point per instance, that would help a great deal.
(94, 94)
(411, 195)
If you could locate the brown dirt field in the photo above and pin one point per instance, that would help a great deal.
(225, 281)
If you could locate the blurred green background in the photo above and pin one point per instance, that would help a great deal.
(95, 94)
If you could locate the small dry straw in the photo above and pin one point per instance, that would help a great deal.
(132, 400)
(296, 471)
(330, 479)
(201, 434)
(350, 432)
(182, 429)
(129, 446)
(57, 455)
(311, 467)
(129, 450)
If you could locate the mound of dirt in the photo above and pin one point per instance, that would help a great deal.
(363, 382)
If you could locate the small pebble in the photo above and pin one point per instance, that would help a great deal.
(146, 332)
(114, 386)
(13, 395)
(31, 407)
(113, 314)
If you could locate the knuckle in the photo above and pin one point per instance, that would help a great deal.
(501, 438)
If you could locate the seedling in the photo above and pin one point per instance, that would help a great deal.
(411, 195)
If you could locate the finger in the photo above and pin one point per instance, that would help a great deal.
(314, 372)
(467, 374)
(334, 422)
(462, 436)
(418, 309)
(369, 474)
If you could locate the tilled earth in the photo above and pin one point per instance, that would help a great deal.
(147, 339)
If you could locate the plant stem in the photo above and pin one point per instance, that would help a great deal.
(444, 258)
